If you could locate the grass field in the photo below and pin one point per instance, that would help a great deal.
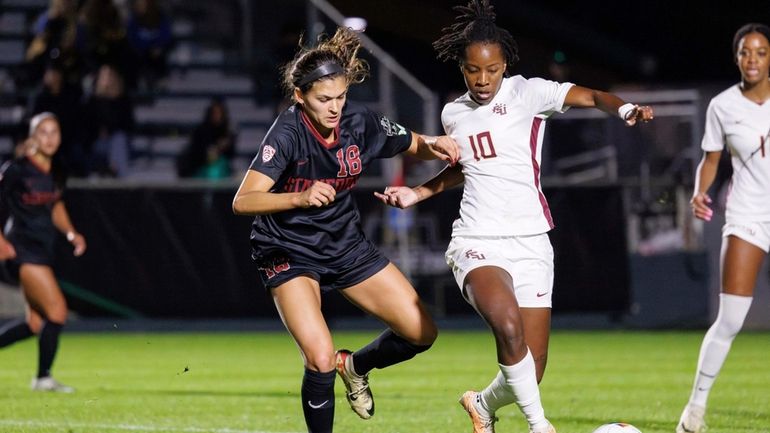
(249, 382)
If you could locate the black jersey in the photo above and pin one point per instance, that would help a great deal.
(294, 155)
(27, 194)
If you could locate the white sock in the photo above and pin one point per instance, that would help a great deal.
(716, 344)
(516, 383)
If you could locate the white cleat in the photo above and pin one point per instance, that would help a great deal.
(692, 420)
(358, 393)
(49, 384)
(481, 423)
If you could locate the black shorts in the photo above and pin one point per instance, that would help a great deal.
(355, 267)
(26, 252)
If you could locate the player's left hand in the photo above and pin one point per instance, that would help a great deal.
(641, 113)
(446, 149)
(398, 196)
(79, 245)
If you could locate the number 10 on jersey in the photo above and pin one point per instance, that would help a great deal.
(482, 146)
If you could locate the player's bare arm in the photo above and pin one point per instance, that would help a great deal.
(705, 175)
(434, 147)
(584, 97)
(61, 220)
(404, 196)
(253, 196)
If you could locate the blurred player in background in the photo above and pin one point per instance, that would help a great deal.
(307, 236)
(739, 119)
(500, 252)
(31, 189)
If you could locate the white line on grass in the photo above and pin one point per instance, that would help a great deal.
(125, 427)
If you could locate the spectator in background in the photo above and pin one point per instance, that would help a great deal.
(211, 147)
(31, 195)
(106, 41)
(109, 122)
(58, 38)
(57, 96)
(149, 34)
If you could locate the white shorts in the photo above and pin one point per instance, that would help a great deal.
(757, 233)
(527, 259)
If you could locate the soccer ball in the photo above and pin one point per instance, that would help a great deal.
(617, 427)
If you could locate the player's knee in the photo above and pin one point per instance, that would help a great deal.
(57, 313)
(322, 362)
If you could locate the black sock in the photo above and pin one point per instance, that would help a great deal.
(385, 350)
(13, 331)
(318, 400)
(48, 343)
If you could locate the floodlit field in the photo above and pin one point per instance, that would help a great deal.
(249, 382)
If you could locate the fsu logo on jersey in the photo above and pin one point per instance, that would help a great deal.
(499, 109)
(267, 153)
(391, 128)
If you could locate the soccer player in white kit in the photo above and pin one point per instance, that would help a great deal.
(500, 252)
(738, 118)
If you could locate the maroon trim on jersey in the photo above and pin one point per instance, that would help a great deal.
(536, 122)
(317, 135)
(38, 166)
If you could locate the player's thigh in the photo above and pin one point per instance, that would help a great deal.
(298, 302)
(489, 290)
(389, 296)
(42, 291)
(741, 262)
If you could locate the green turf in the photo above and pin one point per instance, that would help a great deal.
(238, 383)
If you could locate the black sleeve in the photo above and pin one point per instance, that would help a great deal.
(386, 138)
(275, 154)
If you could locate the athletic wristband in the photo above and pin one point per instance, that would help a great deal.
(626, 109)
(70, 236)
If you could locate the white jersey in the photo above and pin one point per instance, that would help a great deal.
(500, 149)
(744, 126)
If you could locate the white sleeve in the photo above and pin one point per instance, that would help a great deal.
(713, 135)
(548, 96)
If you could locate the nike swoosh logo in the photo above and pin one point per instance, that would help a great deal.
(540, 295)
(302, 162)
(312, 406)
(703, 389)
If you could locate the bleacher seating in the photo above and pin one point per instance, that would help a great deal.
(199, 71)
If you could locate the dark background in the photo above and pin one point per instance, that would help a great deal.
(651, 43)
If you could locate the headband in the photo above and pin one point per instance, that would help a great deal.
(38, 119)
(324, 70)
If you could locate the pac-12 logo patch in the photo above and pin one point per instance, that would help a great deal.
(267, 153)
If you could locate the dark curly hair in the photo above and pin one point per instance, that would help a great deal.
(340, 49)
(475, 23)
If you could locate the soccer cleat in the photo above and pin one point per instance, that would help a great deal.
(549, 429)
(692, 420)
(358, 393)
(50, 384)
(481, 423)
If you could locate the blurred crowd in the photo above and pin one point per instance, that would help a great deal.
(84, 63)
(87, 61)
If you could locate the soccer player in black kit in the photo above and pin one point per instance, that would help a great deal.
(31, 197)
(307, 238)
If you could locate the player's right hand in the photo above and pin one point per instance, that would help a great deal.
(7, 251)
(318, 195)
(398, 196)
(700, 206)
